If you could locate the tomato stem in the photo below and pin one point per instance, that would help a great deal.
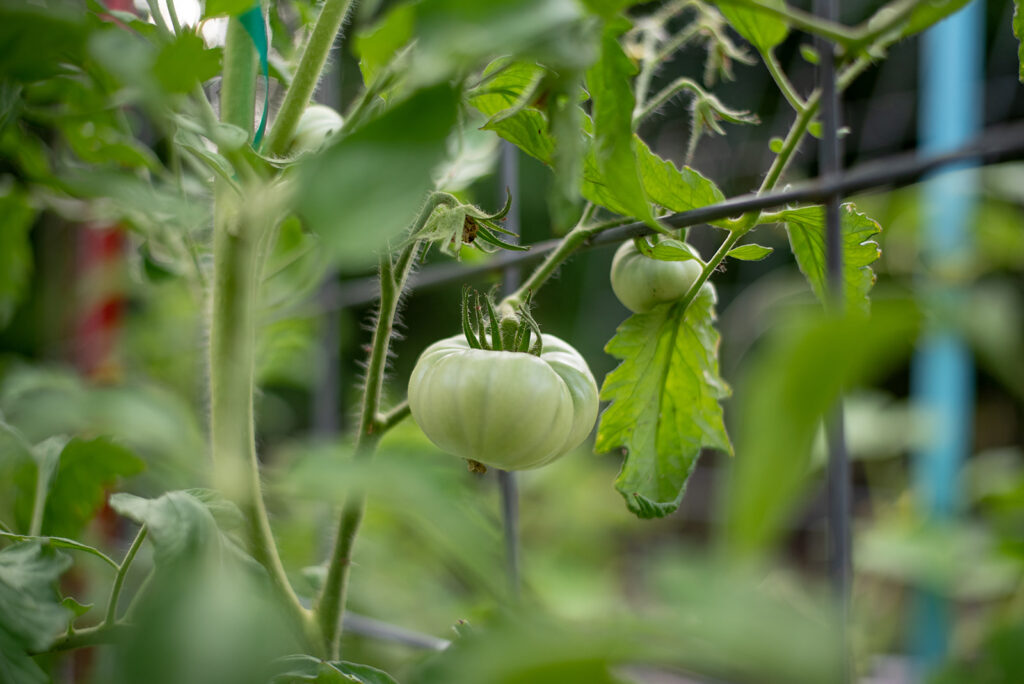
(330, 605)
(307, 74)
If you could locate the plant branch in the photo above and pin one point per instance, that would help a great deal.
(89, 636)
(575, 239)
(122, 572)
(666, 94)
(781, 80)
(387, 420)
(307, 74)
(330, 606)
(241, 228)
(60, 542)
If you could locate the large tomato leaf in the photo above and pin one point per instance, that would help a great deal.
(791, 384)
(806, 229)
(673, 188)
(507, 99)
(664, 402)
(614, 143)
(763, 30)
(76, 476)
(31, 613)
(366, 188)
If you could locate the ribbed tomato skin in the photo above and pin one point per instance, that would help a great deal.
(508, 410)
(642, 283)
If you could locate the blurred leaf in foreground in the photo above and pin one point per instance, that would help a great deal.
(31, 613)
(365, 189)
(790, 386)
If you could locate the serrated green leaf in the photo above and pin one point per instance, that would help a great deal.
(16, 219)
(1018, 31)
(506, 100)
(664, 184)
(609, 82)
(751, 252)
(376, 45)
(806, 229)
(675, 189)
(664, 402)
(792, 383)
(85, 471)
(671, 249)
(305, 668)
(31, 613)
(365, 189)
(184, 63)
(762, 30)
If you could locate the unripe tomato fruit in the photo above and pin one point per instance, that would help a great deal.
(641, 283)
(316, 125)
(509, 410)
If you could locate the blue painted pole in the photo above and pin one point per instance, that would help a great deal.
(951, 103)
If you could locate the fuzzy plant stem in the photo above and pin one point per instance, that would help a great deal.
(330, 607)
(311, 65)
(238, 242)
(122, 572)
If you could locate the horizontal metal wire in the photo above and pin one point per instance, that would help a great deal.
(997, 144)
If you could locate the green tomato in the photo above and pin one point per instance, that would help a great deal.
(642, 283)
(510, 410)
(316, 126)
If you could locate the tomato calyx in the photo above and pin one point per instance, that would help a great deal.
(454, 224)
(514, 331)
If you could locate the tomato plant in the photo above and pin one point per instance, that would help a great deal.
(164, 488)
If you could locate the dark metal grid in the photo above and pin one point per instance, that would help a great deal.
(997, 144)
(507, 481)
(838, 481)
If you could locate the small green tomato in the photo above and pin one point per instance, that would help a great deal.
(642, 283)
(509, 410)
(316, 126)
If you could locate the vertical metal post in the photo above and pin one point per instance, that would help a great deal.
(326, 407)
(942, 372)
(509, 177)
(838, 471)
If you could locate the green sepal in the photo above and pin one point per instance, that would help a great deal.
(491, 239)
(495, 322)
(467, 325)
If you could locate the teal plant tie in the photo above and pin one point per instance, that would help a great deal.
(252, 22)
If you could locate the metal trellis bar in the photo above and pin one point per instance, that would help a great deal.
(998, 144)
(838, 484)
(510, 281)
